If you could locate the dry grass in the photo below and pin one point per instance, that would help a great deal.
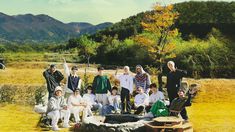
(212, 110)
(17, 118)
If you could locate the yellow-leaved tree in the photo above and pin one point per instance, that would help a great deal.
(159, 33)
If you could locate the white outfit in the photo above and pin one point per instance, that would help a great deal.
(77, 109)
(102, 99)
(89, 99)
(56, 115)
(154, 97)
(126, 81)
(55, 111)
(141, 100)
(113, 99)
(67, 73)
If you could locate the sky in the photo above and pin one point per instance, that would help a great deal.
(92, 11)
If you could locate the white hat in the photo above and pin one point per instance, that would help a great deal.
(58, 88)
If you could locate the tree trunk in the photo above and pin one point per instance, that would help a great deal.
(88, 61)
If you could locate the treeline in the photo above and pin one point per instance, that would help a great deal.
(196, 18)
(210, 57)
(28, 47)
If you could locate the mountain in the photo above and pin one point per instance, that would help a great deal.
(87, 28)
(42, 28)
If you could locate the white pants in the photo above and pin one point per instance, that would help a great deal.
(102, 99)
(76, 112)
(57, 114)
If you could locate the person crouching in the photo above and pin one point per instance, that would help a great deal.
(57, 108)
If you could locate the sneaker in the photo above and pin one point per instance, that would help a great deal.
(66, 126)
(55, 129)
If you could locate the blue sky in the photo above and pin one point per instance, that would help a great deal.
(92, 11)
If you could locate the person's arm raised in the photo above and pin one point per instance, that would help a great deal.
(66, 68)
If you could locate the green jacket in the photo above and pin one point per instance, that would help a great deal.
(101, 84)
(159, 109)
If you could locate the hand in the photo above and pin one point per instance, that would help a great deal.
(65, 107)
(64, 60)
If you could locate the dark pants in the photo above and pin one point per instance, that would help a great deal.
(125, 100)
(183, 113)
(147, 108)
(172, 94)
(139, 110)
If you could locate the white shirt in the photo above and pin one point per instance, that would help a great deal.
(154, 97)
(89, 99)
(111, 99)
(141, 99)
(74, 100)
(126, 81)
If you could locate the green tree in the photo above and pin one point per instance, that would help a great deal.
(86, 48)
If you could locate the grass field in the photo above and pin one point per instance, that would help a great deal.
(213, 109)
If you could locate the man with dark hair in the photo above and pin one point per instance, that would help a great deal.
(155, 96)
(101, 85)
(53, 78)
(73, 80)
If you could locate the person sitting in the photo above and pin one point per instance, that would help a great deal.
(141, 101)
(57, 108)
(154, 97)
(90, 99)
(179, 104)
(113, 101)
(176, 107)
(76, 105)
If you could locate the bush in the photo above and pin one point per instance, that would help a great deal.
(22, 94)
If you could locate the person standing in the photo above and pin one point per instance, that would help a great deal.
(142, 79)
(126, 83)
(53, 78)
(73, 80)
(174, 78)
(101, 85)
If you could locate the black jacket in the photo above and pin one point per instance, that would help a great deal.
(53, 79)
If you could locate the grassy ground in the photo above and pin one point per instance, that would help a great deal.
(212, 110)
(17, 118)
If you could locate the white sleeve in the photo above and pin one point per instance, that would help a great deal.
(70, 101)
(118, 77)
(131, 84)
(162, 96)
(146, 101)
(66, 69)
(79, 83)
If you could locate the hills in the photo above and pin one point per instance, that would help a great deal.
(196, 18)
(42, 28)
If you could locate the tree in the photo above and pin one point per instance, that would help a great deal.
(159, 33)
(86, 48)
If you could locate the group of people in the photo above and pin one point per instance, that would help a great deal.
(102, 97)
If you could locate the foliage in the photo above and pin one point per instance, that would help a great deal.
(206, 58)
(159, 24)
